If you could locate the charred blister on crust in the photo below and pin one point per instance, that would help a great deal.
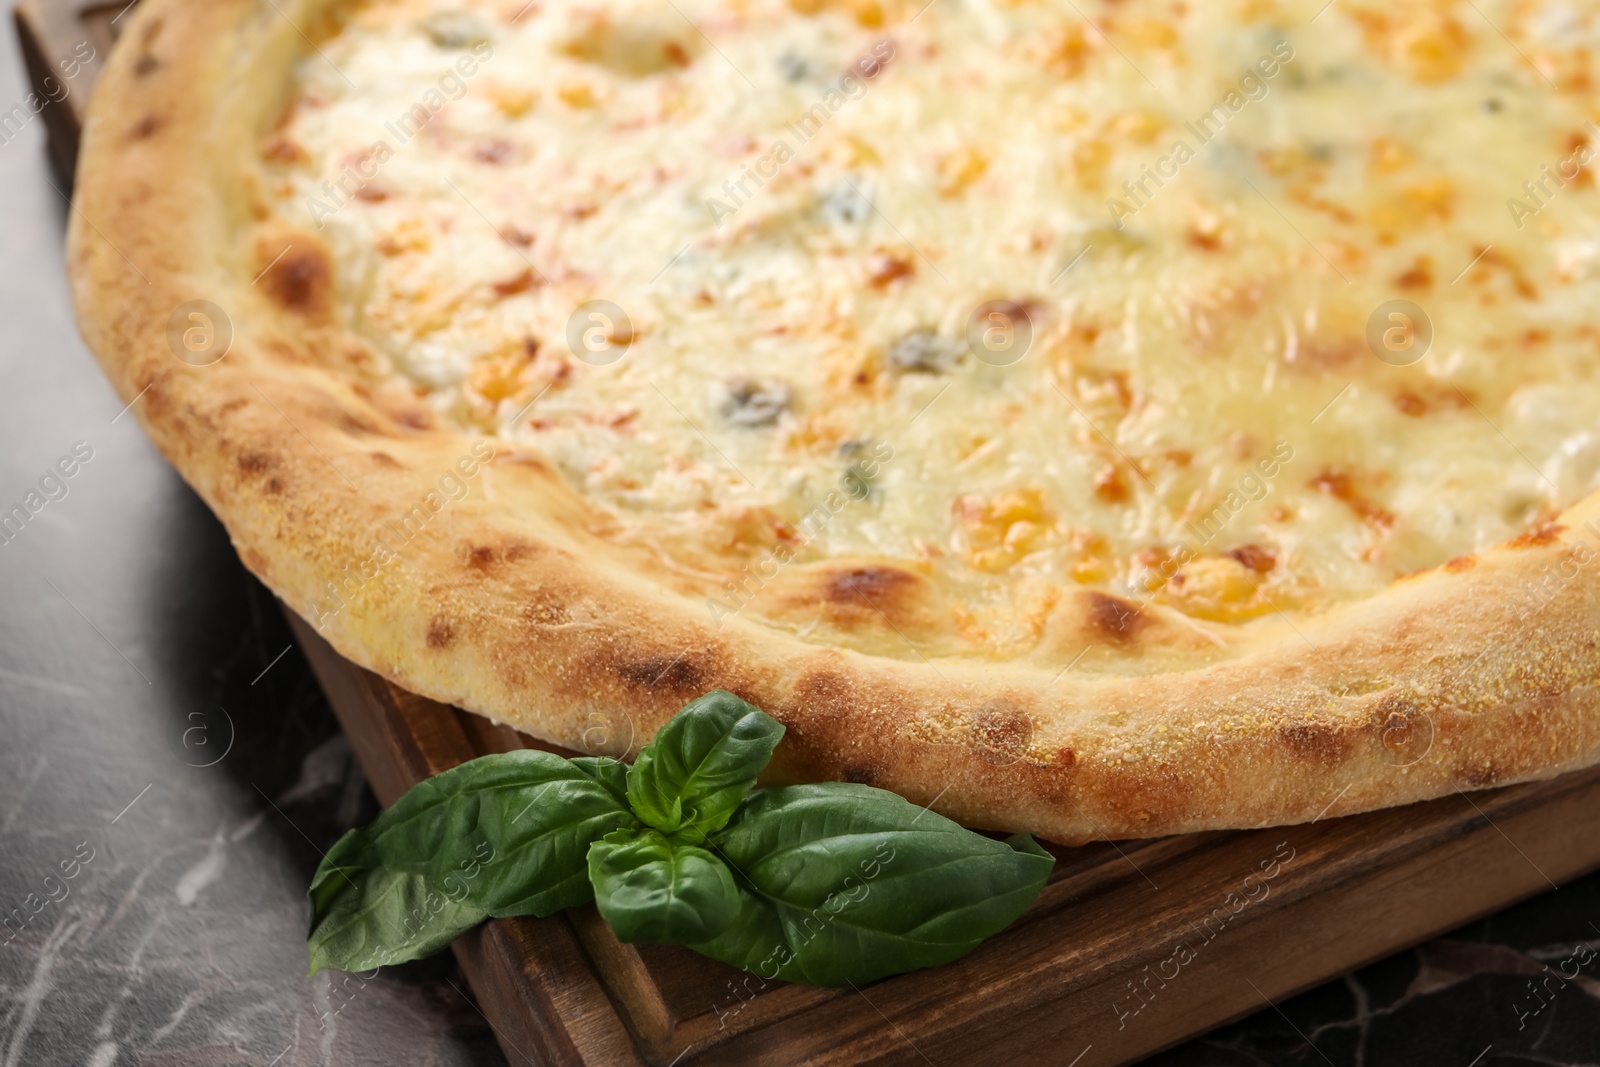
(146, 128)
(441, 632)
(253, 463)
(673, 674)
(870, 595)
(479, 557)
(485, 557)
(1113, 618)
(297, 274)
(1323, 743)
(880, 586)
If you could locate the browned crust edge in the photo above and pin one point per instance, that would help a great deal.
(1445, 682)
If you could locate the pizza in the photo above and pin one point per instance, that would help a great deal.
(1102, 419)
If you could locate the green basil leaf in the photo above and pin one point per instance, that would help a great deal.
(652, 889)
(611, 773)
(845, 883)
(508, 833)
(1025, 843)
(370, 917)
(350, 855)
(691, 776)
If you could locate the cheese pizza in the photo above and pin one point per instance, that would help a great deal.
(1107, 420)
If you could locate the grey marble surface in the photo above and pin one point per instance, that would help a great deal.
(135, 651)
(169, 774)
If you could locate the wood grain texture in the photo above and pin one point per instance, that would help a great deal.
(48, 32)
(1131, 948)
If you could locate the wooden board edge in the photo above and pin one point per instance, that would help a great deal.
(1498, 853)
(541, 997)
(63, 49)
(1254, 965)
(638, 1016)
(532, 979)
(61, 136)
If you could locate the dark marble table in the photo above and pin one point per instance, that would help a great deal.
(169, 774)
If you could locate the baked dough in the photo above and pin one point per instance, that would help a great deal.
(1106, 422)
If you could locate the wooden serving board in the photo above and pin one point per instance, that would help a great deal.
(55, 35)
(1131, 948)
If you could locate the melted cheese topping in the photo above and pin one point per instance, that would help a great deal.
(1197, 214)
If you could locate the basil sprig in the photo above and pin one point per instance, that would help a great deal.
(826, 884)
(692, 775)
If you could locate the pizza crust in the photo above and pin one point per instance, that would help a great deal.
(501, 603)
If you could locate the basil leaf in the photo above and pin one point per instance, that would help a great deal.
(845, 883)
(826, 884)
(507, 833)
(369, 917)
(611, 773)
(691, 776)
(349, 856)
(651, 889)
